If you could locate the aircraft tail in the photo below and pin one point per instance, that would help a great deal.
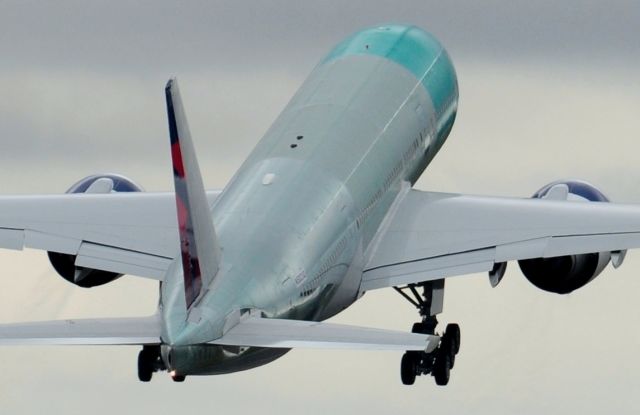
(199, 246)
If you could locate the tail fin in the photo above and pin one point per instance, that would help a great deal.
(198, 242)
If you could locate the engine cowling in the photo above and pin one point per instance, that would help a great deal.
(64, 264)
(565, 274)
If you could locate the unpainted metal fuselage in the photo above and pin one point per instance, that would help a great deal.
(295, 221)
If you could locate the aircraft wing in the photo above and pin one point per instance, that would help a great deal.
(127, 233)
(281, 333)
(429, 236)
(105, 331)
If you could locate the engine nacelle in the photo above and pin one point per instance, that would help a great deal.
(565, 274)
(64, 264)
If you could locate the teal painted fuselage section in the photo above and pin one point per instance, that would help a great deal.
(296, 220)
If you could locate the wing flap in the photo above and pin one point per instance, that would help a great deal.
(121, 261)
(280, 333)
(12, 238)
(393, 277)
(591, 243)
(41, 240)
(109, 331)
(139, 226)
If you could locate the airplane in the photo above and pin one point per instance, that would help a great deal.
(321, 212)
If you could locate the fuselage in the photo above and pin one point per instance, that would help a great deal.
(296, 220)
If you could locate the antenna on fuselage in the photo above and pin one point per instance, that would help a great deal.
(199, 248)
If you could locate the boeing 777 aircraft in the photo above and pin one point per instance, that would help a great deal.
(321, 212)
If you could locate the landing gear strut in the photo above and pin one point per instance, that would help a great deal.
(149, 361)
(440, 361)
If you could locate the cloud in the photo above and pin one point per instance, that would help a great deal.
(521, 126)
(147, 37)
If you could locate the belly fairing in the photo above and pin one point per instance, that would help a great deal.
(217, 360)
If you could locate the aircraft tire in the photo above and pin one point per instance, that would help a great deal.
(448, 346)
(408, 369)
(441, 370)
(418, 328)
(145, 368)
(454, 331)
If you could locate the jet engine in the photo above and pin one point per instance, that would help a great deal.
(565, 274)
(64, 264)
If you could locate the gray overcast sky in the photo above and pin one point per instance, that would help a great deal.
(160, 36)
(548, 90)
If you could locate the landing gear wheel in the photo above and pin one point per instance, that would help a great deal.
(447, 346)
(145, 365)
(442, 366)
(408, 369)
(418, 328)
(453, 330)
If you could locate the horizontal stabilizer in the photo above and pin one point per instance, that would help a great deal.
(106, 331)
(265, 332)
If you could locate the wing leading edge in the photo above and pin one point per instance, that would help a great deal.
(436, 235)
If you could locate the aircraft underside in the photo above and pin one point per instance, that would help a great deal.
(203, 359)
(207, 359)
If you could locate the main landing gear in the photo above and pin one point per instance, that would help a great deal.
(440, 361)
(149, 361)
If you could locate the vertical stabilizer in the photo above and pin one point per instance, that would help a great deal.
(198, 242)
